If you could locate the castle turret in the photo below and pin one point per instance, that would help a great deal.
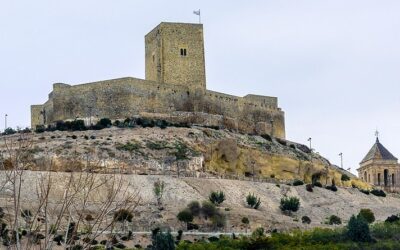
(175, 55)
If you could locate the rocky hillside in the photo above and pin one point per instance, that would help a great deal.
(192, 151)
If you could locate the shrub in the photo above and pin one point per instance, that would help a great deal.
(208, 209)
(185, 216)
(290, 204)
(245, 220)
(305, 220)
(378, 192)
(253, 201)
(179, 236)
(309, 188)
(158, 190)
(258, 233)
(123, 215)
(367, 215)
(317, 184)
(218, 220)
(217, 197)
(192, 226)
(163, 241)
(358, 230)
(77, 125)
(392, 219)
(194, 208)
(364, 191)
(345, 177)
(332, 188)
(298, 183)
(74, 137)
(9, 131)
(334, 220)
(40, 129)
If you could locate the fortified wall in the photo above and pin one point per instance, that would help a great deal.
(174, 90)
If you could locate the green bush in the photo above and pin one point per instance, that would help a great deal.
(364, 191)
(345, 177)
(185, 216)
(298, 183)
(129, 146)
(332, 188)
(378, 192)
(208, 209)
(334, 220)
(253, 201)
(393, 218)
(194, 208)
(317, 184)
(367, 215)
(9, 131)
(163, 241)
(291, 204)
(217, 197)
(123, 215)
(358, 230)
(245, 220)
(305, 220)
(104, 123)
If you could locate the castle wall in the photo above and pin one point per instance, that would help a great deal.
(126, 97)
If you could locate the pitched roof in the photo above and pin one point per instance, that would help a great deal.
(378, 152)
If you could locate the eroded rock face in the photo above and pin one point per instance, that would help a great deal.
(193, 151)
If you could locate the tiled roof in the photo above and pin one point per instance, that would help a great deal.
(378, 152)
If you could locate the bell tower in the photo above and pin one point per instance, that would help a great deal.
(175, 55)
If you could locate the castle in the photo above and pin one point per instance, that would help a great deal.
(380, 168)
(174, 90)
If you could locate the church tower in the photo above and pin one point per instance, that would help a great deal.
(175, 55)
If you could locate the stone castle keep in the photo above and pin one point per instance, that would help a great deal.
(174, 90)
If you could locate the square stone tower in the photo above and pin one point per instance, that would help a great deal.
(175, 55)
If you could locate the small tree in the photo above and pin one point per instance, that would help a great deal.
(358, 230)
(367, 215)
(159, 191)
(217, 197)
(194, 208)
(290, 204)
(246, 222)
(163, 241)
(185, 216)
(253, 201)
(208, 209)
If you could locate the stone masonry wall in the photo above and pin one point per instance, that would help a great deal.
(127, 97)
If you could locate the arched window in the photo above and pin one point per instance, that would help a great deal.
(369, 178)
(365, 176)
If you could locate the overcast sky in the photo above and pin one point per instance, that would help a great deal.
(335, 65)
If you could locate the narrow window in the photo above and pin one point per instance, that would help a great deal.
(154, 58)
(183, 52)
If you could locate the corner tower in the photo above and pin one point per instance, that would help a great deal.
(175, 55)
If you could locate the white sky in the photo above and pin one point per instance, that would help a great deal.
(335, 65)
